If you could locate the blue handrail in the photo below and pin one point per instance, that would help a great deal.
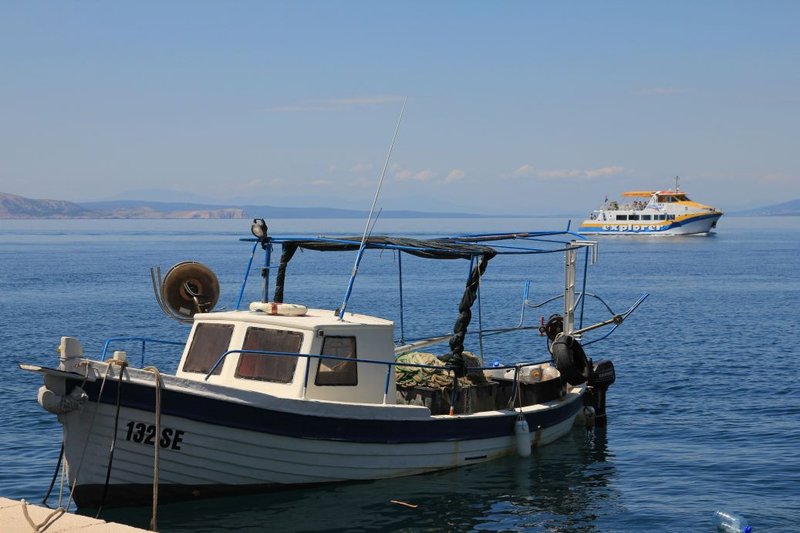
(143, 340)
(388, 364)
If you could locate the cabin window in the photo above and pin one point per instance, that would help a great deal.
(209, 343)
(622, 217)
(633, 217)
(647, 217)
(335, 371)
(670, 217)
(266, 367)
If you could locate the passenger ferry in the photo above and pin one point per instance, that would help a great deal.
(668, 212)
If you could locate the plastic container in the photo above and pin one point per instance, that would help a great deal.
(495, 372)
(731, 523)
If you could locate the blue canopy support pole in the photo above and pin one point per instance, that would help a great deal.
(400, 279)
(246, 274)
(350, 283)
(525, 294)
(480, 324)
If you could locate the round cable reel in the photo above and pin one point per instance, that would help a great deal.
(188, 288)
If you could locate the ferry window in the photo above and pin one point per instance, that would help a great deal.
(622, 217)
(633, 217)
(209, 343)
(647, 217)
(334, 371)
(670, 217)
(264, 367)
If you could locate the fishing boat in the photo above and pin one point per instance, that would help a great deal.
(275, 394)
(668, 212)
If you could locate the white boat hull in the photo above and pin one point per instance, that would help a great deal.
(242, 453)
(699, 225)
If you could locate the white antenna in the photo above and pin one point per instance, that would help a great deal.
(371, 211)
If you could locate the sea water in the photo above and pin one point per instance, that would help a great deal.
(705, 413)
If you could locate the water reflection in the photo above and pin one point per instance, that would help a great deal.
(566, 486)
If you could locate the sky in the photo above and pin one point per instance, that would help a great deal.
(512, 107)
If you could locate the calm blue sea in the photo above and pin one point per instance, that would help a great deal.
(705, 413)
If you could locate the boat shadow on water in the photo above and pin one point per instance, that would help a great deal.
(565, 486)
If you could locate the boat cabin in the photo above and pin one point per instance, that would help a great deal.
(669, 197)
(274, 354)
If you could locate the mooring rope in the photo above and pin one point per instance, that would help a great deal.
(88, 434)
(122, 365)
(156, 445)
(49, 520)
(55, 476)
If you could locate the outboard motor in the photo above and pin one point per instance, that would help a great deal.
(602, 377)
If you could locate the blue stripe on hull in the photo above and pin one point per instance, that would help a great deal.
(657, 230)
(247, 417)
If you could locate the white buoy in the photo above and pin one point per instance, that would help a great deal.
(522, 434)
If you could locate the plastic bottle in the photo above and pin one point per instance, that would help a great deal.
(731, 523)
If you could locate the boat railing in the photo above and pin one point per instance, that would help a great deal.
(390, 365)
(616, 318)
(143, 340)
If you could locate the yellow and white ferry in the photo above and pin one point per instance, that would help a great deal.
(668, 212)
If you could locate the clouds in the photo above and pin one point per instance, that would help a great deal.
(426, 175)
(454, 175)
(528, 171)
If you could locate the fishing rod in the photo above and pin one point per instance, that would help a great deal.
(367, 229)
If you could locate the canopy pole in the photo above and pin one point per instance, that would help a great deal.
(246, 275)
(265, 273)
(400, 279)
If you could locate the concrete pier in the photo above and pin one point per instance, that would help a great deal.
(13, 520)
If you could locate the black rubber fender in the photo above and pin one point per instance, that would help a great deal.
(571, 360)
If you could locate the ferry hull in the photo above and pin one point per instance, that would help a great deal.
(701, 225)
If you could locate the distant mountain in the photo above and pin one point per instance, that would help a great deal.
(132, 207)
(12, 206)
(790, 208)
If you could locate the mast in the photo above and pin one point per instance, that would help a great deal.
(677, 188)
(361, 248)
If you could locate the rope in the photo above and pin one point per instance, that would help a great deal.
(455, 358)
(88, 434)
(122, 365)
(49, 520)
(156, 445)
(55, 475)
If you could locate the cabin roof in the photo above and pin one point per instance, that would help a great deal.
(647, 194)
(314, 318)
